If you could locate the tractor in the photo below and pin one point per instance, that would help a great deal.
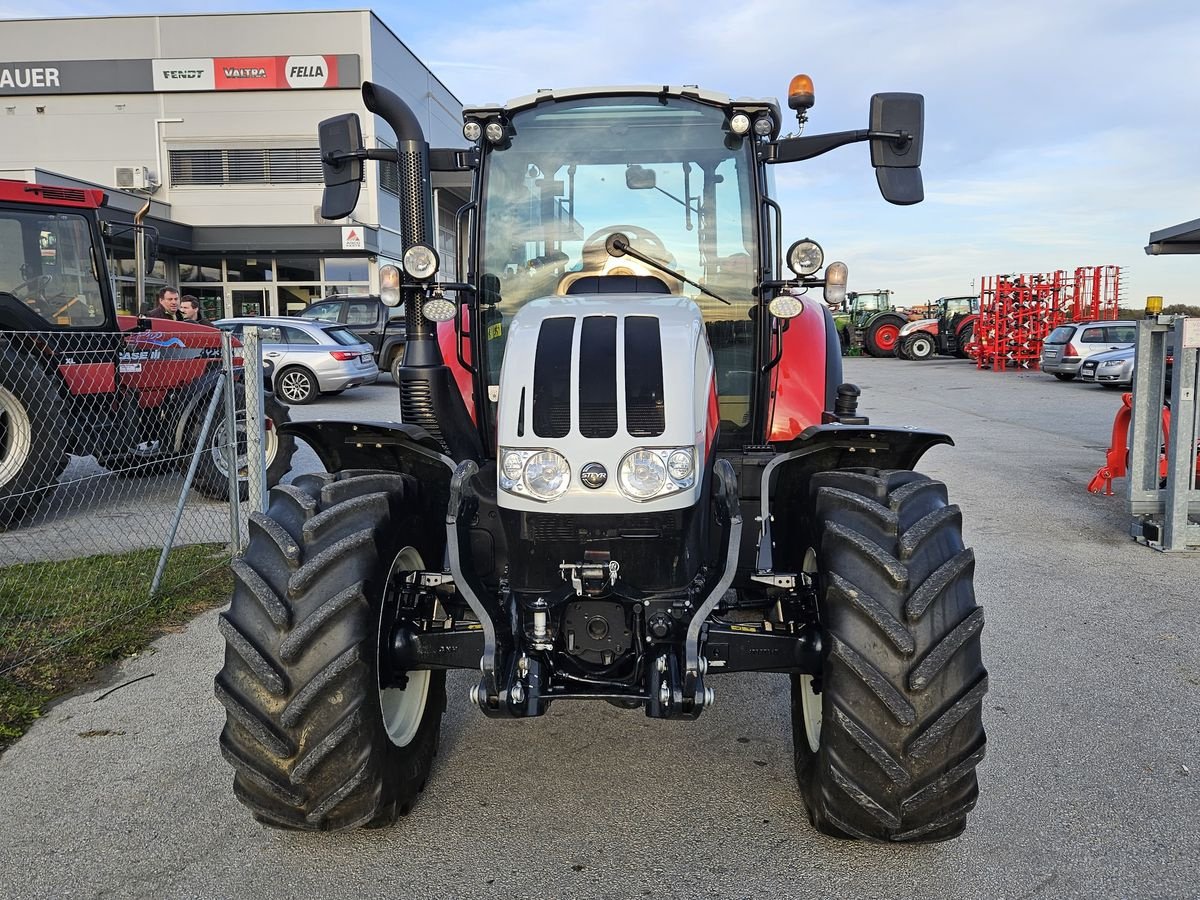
(868, 321)
(76, 377)
(950, 332)
(629, 466)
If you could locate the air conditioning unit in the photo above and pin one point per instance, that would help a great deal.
(132, 177)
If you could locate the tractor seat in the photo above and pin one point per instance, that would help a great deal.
(618, 284)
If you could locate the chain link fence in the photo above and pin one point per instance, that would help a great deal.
(114, 449)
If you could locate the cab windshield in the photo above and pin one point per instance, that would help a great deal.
(47, 266)
(663, 171)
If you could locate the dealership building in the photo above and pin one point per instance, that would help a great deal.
(213, 118)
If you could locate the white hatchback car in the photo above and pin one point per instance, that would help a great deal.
(1067, 346)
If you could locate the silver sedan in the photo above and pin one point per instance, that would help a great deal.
(310, 358)
(1113, 368)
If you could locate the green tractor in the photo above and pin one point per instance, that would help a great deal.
(868, 321)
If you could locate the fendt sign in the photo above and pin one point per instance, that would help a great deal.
(143, 76)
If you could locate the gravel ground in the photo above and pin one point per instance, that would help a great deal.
(1091, 787)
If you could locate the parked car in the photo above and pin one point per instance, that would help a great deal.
(1112, 368)
(310, 358)
(380, 326)
(1067, 346)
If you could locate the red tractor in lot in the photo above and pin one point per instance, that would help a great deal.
(950, 333)
(76, 378)
(629, 465)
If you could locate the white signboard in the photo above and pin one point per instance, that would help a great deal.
(1191, 333)
(352, 237)
(184, 75)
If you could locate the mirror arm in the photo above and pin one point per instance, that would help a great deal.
(339, 156)
(798, 148)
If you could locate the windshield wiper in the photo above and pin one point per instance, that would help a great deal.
(617, 245)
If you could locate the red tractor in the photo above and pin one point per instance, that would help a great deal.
(76, 378)
(950, 333)
(629, 465)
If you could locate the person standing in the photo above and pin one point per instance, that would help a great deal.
(189, 306)
(167, 305)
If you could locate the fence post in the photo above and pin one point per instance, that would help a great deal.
(201, 443)
(235, 499)
(1181, 449)
(256, 462)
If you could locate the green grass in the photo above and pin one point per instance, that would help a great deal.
(99, 614)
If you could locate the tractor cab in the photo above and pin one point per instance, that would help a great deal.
(52, 273)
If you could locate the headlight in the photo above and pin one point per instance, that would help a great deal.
(647, 473)
(494, 132)
(420, 262)
(835, 283)
(805, 257)
(438, 309)
(547, 475)
(739, 123)
(764, 125)
(540, 474)
(1112, 363)
(642, 474)
(472, 131)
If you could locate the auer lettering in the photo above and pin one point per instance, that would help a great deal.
(32, 77)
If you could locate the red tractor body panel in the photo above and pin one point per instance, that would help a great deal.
(798, 390)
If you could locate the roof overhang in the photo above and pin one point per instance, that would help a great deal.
(1184, 238)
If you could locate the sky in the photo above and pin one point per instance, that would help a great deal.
(1057, 134)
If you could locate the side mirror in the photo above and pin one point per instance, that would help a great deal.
(898, 162)
(149, 248)
(639, 179)
(340, 137)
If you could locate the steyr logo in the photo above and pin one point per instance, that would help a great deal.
(593, 475)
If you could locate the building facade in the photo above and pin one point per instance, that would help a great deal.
(213, 118)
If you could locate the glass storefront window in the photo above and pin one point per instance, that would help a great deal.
(123, 266)
(211, 297)
(347, 269)
(295, 298)
(199, 270)
(298, 268)
(250, 269)
(341, 290)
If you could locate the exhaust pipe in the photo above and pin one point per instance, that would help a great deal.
(416, 209)
(429, 397)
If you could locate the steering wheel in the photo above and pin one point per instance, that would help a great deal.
(37, 286)
(596, 261)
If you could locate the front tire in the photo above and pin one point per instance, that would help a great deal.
(297, 386)
(307, 726)
(882, 335)
(33, 435)
(902, 685)
(920, 346)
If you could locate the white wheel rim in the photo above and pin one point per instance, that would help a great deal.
(295, 386)
(404, 708)
(922, 347)
(811, 704)
(16, 436)
(217, 442)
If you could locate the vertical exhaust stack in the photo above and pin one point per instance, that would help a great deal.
(429, 397)
(416, 210)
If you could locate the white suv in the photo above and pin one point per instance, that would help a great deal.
(1067, 346)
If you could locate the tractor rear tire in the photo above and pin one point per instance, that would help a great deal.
(882, 335)
(888, 737)
(33, 447)
(305, 729)
(965, 338)
(919, 346)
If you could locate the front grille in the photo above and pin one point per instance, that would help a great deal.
(645, 415)
(552, 378)
(416, 407)
(547, 527)
(598, 377)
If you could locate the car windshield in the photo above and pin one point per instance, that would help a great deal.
(344, 336)
(1061, 334)
(663, 171)
(47, 265)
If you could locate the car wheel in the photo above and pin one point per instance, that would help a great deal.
(396, 362)
(296, 385)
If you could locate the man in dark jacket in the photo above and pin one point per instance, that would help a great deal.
(189, 308)
(167, 306)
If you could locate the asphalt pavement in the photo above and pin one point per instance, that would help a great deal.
(1091, 786)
